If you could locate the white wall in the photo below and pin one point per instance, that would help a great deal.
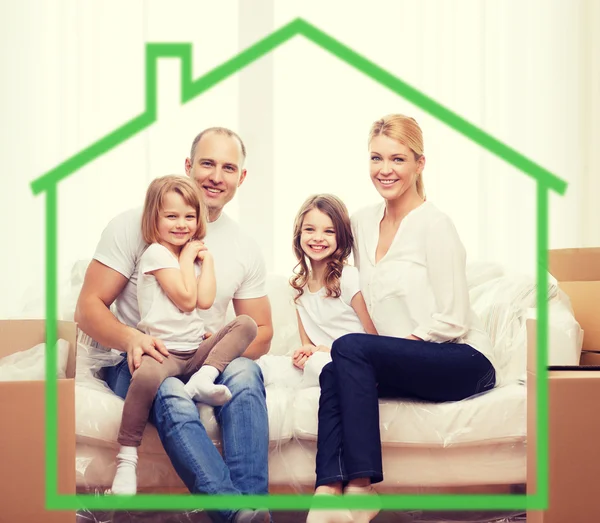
(527, 73)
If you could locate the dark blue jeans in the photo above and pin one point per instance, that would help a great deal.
(367, 367)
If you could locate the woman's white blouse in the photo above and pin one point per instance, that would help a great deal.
(420, 286)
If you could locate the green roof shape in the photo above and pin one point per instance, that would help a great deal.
(190, 89)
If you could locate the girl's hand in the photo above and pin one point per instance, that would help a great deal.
(302, 354)
(191, 249)
(203, 253)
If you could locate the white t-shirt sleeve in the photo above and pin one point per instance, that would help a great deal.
(155, 257)
(349, 283)
(119, 244)
(446, 269)
(254, 284)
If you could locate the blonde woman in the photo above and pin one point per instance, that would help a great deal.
(430, 344)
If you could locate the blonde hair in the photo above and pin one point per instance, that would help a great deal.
(405, 130)
(153, 204)
(333, 207)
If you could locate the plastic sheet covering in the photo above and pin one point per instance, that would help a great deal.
(31, 364)
(470, 446)
(300, 517)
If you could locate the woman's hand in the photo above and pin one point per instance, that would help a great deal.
(413, 337)
(302, 354)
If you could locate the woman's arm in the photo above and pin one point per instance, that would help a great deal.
(207, 283)
(446, 269)
(360, 307)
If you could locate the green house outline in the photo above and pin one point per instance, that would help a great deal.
(190, 89)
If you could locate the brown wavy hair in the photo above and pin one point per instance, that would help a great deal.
(155, 194)
(333, 207)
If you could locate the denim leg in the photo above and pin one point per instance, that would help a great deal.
(190, 449)
(118, 378)
(359, 409)
(330, 460)
(245, 426)
(244, 429)
(368, 367)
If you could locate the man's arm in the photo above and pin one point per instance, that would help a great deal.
(259, 309)
(101, 287)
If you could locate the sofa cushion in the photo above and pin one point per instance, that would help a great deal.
(493, 417)
(98, 418)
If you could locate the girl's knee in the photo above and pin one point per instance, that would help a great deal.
(247, 325)
(147, 377)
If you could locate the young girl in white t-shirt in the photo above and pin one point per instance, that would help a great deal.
(176, 277)
(329, 303)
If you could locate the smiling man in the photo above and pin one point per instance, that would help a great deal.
(216, 164)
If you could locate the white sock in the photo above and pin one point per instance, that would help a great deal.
(125, 481)
(202, 388)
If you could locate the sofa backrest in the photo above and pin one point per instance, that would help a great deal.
(502, 300)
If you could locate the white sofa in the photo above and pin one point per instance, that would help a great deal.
(476, 442)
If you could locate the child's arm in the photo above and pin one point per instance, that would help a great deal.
(303, 336)
(303, 353)
(207, 283)
(180, 284)
(360, 307)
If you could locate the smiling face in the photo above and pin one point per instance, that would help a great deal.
(177, 222)
(393, 167)
(217, 168)
(318, 235)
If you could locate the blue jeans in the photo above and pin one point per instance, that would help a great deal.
(243, 469)
(366, 368)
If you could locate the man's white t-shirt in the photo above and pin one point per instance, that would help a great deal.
(159, 316)
(239, 266)
(325, 319)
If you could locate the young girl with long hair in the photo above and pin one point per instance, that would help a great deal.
(328, 300)
(176, 278)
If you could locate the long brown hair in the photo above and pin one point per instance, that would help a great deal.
(155, 194)
(333, 207)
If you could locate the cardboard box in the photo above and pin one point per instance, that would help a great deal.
(578, 275)
(590, 359)
(22, 418)
(573, 433)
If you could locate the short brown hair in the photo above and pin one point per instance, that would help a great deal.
(217, 130)
(155, 194)
(335, 208)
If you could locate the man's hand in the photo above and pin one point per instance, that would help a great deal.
(302, 354)
(140, 344)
